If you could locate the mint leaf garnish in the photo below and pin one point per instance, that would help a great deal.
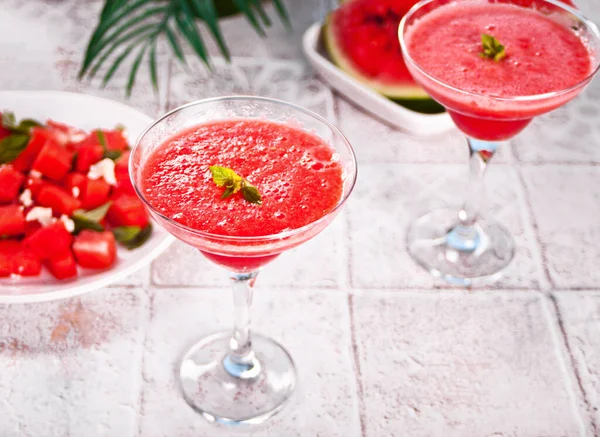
(251, 194)
(101, 138)
(82, 223)
(226, 177)
(132, 237)
(492, 48)
(90, 219)
(96, 214)
(233, 183)
(111, 154)
(8, 120)
(12, 145)
(24, 127)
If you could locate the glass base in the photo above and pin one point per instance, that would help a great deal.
(220, 397)
(432, 242)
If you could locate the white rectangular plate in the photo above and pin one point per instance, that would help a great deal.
(381, 107)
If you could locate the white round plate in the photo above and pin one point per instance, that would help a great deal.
(86, 112)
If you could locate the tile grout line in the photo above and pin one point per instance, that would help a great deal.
(357, 368)
(573, 365)
(345, 264)
(559, 163)
(530, 230)
(539, 246)
(141, 398)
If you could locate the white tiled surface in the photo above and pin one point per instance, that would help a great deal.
(381, 349)
(455, 364)
(580, 316)
(312, 324)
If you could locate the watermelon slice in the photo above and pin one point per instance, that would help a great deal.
(361, 37)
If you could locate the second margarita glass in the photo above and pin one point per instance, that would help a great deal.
(460, 246)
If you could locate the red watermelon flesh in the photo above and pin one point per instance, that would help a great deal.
(362, 39)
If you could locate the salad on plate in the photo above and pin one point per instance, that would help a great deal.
(66, 201)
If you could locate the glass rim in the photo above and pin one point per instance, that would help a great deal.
(259, 238)
(529, 98)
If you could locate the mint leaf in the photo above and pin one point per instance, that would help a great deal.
(112, 154)
(223, 176)
(132, 237)
(90, 219)
(492, 48)
(82, 223)
(233, 183)
(251, 194)
(96, 215)
(26, 125)
(8, 120)
(12, 146)
(101, 139)
(126, 233)
(229, 191)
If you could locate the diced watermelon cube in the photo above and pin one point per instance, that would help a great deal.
(115, 140)
(62, 266)
(127, 210)
(87, 155)
(50, 241)
(58, 199)
(25, 262)
(124, 185)
(75, 180)
(10, 183)
(31, 226)
(35, 184)
(25, 160)
(95, 250)
(95, 193)
(53, 161)
(12, 220)
(8, 249)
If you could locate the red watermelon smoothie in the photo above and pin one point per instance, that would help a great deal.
(297, 174)
(494, 100)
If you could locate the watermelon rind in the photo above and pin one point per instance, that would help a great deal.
(425, 106)
(401, 91)
(411, 96)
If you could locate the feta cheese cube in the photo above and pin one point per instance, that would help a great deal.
(25, 198)
(103, 169)
(41, 214)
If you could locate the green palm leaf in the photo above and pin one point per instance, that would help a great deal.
(261, 12)
(206, 9)
(189, 30)
(152, 65)
(134, 69)
(175, 44)
(125, 26)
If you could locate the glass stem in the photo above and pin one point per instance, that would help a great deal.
(465, 235)
(241, 362)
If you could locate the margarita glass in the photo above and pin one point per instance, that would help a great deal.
(234, 377)
(550, 52)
